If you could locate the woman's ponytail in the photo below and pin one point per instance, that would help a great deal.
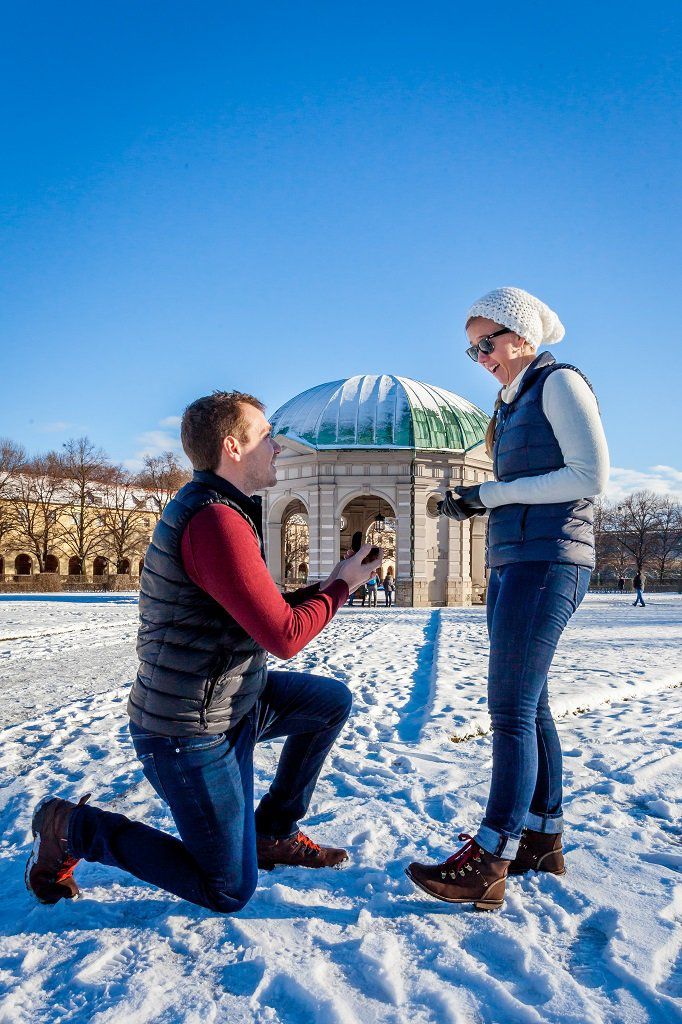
(490, 432)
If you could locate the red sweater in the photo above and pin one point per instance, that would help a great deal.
(221, 554)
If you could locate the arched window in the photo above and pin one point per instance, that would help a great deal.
(99, 566)
(23, 565)
(123, 566)
(75, 568)
(375, 520)
(295, 542)
(51, 563)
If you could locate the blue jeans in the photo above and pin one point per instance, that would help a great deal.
(639, 599)
(528, 606)
(207, 782)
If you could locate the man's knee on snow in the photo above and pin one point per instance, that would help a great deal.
(344, 698)
(225, 901)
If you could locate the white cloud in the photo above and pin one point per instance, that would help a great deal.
(154, 442)
(660, 479)
(55, 427)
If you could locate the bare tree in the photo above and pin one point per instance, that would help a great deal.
(123, 516)
(610, 556)
(12, 458)
(668, 545)
(634, 524)
(85, 469)
(36, 505)
(162, 477)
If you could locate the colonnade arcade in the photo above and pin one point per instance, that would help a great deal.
(15, 564)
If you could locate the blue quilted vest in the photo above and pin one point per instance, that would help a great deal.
(525, 445)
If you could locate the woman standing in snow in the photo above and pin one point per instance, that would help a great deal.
(549, 460)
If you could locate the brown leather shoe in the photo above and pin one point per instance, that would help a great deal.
(472, 875)
(539, 851)
(49, 869)
(297, 851)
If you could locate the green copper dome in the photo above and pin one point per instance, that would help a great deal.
(381, 411)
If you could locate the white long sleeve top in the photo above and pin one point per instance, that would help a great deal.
(571, 408)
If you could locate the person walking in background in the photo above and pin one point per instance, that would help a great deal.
(372, 587)
(389, 588)
(621, 584)
(549, 460)
(638, 584)
(204, 696)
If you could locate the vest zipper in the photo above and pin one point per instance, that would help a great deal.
(524, 516)
(207, 700)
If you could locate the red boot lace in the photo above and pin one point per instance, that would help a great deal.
(462, 858)
(303, 840)
(66, 869)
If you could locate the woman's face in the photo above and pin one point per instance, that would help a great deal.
(511, 353)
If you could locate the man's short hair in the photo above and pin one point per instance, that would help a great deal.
(209, 420)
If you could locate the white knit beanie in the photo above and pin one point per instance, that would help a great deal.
(522, 313)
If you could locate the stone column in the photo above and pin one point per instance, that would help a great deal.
(420, 592)
(323, 540)
(458, 591)
(403, 511)
(478, 576)
(328, 536)
(314, 535)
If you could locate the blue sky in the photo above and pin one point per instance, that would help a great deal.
(267, 196)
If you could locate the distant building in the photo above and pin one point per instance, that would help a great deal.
(115, 541)
(374, 454)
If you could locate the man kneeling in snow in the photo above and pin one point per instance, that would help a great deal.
(203, 696)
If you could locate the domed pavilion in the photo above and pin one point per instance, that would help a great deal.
(374, 453)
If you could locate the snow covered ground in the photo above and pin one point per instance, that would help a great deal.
(601, 946)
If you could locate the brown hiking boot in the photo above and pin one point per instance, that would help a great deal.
(49, 869)
(297, 851)
(472, 875)
(539, 851)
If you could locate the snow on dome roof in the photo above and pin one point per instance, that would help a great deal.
(381, 411)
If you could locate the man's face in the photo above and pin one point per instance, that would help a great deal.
(258, 451)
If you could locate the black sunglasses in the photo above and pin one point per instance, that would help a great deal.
(486, 344)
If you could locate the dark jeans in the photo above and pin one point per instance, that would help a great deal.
(528, 606)
(207, 781)
(639, 599)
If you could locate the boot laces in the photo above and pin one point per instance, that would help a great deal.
(66, 868)
(303, 840)
(461, 860)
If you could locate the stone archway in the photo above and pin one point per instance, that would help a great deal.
(23, 565)
(359, 515)
(99, 566)
(75, 566)
(51, 563)
(123, 566)
(295, 544)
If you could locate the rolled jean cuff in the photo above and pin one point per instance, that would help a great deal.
(551, 825)
(497, 844)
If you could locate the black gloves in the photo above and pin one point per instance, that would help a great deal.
(467, 505)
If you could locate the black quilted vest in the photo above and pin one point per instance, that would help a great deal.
(525, 445)
(200, 672)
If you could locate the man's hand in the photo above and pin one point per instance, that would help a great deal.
(334, 574)
(464, 506)
(352, 571)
